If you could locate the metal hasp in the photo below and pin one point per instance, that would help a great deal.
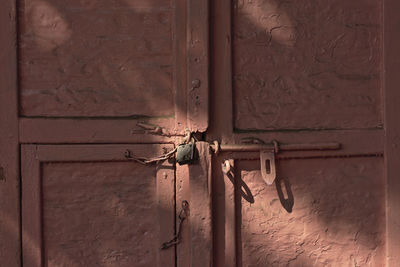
(268, 152)
(268, 170)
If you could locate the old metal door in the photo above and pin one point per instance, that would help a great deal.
(86, 88)
(305, 72)
(87, 84)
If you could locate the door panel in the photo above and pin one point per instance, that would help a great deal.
(89, 206)
(101, 72)
(96, 58)
(301, 72)
(320, 212)
(338, 215)
(308, 65)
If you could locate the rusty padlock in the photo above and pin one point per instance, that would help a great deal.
(186, 153)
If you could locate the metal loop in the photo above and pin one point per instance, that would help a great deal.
(226, 168)
(276, 146)
(216, 147)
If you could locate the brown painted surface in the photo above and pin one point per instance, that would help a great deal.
(96, 58)
(9, 160)
(193, 184)
(200, 213)
(298, 72)
(197, 65)
(180, 62)
(392, 130)
(98, 213)
(307, 65)
(91, 131)
(304, 72)
(221, 108)
(95, 211)
(332, 215)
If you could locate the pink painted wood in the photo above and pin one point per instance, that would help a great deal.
(88, 205)
(392, 130)
(9, 159)
(276, 78)
(195, 186)
(99, 60)
(110, 71)
(290, 67)
(91, 79)
(90, 72)
(197, 65)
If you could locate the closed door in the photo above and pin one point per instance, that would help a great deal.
(293, 106)
(303, 73)
(91, 86)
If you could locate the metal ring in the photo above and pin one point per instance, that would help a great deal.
(276, 146)
(226, 167)
(216, 147)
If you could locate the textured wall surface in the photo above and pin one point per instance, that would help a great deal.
(96, 58)
(294, 60)
(337, 219)
(98, 214)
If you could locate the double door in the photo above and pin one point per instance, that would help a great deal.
(309, 88)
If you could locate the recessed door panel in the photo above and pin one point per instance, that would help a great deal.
(96, 212)
(322, 212)
(307, 65)
(96, 58)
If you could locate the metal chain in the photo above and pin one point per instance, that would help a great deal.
(182, 216)
(143, 160)
(171, 154)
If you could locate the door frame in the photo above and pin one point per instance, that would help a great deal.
(390, 85)
(10, 238)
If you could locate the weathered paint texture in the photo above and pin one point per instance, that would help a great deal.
(307, 64)
(96, 58)
(338, 216)
(392, 129)
(193, 184)
(100, 214)
(197, 65)
(276, 65)
(9, 160)
(88, 206)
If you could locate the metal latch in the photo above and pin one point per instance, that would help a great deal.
(268, 153)
(268, 170)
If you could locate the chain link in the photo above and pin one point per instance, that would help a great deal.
(182, 217)
(189, 138)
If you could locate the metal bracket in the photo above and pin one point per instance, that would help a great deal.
(268, 170)
(268, 152)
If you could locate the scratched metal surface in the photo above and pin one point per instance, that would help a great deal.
(307, 64)
(337, 218)
(96, 58)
